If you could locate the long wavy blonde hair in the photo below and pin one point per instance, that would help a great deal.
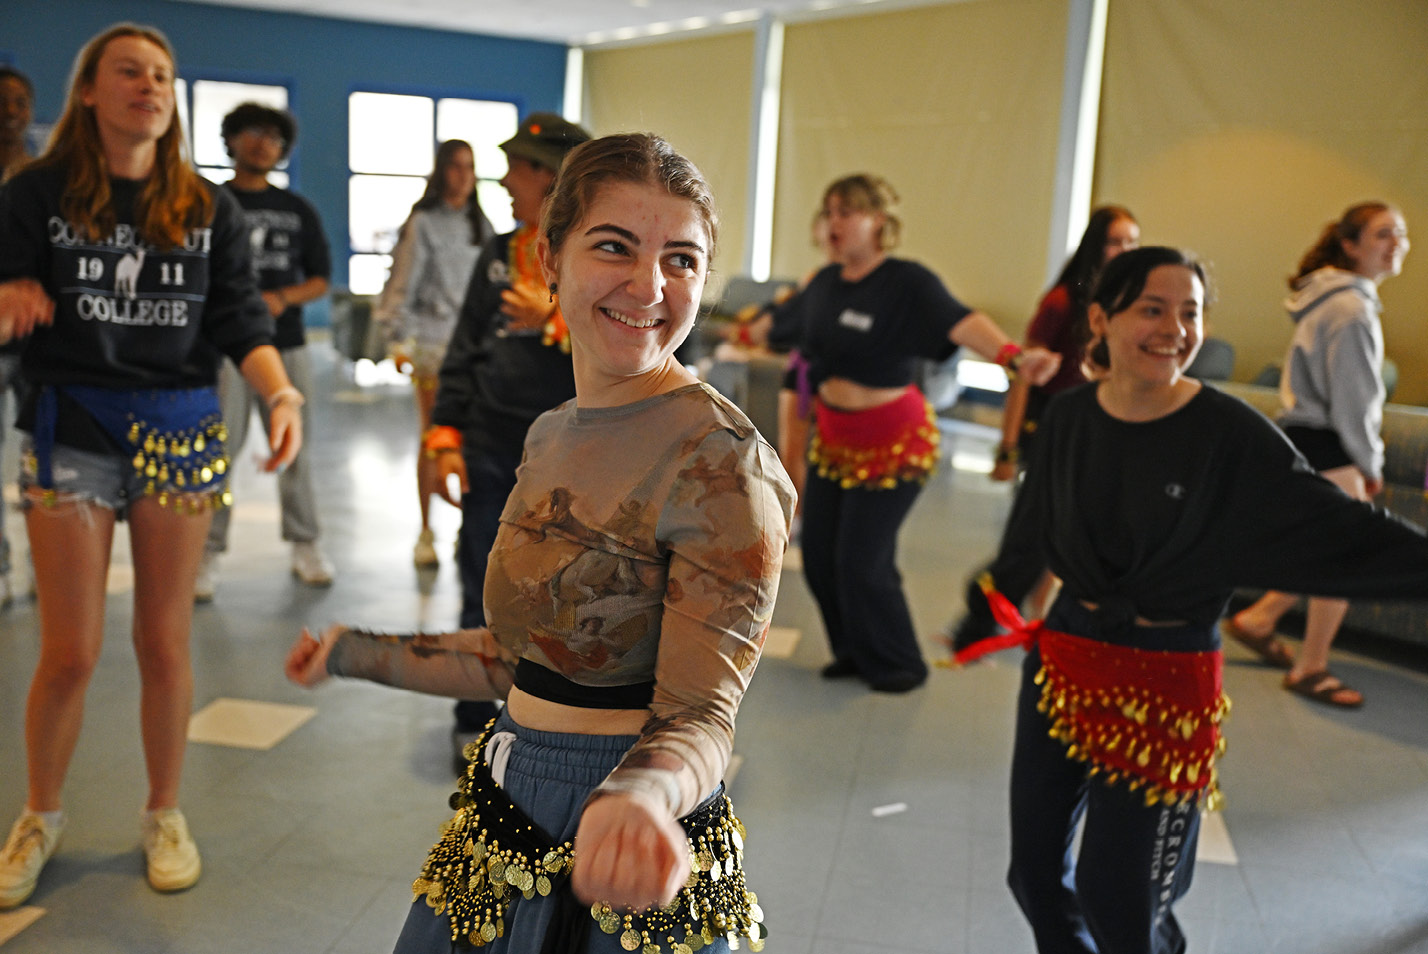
(174, 197)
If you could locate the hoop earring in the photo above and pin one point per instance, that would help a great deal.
(552, 293)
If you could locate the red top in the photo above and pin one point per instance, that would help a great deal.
(1054, 327)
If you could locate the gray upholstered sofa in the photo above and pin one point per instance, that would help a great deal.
(1405, 437)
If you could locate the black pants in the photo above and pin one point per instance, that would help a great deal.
(491, 477)
(1135, 861)
(850, 561)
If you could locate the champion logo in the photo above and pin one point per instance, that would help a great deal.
(1175, 491)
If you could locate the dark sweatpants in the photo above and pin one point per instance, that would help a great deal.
(491, 476)
(1115, 896)
(850, 561)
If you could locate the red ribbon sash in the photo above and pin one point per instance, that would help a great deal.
(1150, 718)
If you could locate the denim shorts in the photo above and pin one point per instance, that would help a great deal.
(106, 480)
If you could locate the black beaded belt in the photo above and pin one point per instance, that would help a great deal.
(491, 852)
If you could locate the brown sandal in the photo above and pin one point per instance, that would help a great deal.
(1270, 650)
(1315, 686)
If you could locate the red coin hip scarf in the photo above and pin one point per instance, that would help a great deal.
(878, 447)
(1148, 718)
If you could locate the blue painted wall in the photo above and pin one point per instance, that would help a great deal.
(320, 60)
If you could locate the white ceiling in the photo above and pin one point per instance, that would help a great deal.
(573, 22)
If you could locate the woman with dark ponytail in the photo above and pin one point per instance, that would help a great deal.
(1059, 325)
(1153, 497)
(1019, 572)
(1333, 396)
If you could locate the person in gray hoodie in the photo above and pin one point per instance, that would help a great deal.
(1333, 394)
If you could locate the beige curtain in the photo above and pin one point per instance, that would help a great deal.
(696, 93)
(958, 107)
(1239, 129)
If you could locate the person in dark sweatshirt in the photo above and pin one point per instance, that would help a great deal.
(1153, 496)
(507, 363)
(127, 276)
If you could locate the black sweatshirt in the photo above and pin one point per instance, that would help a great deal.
(493, 385)
(874, 330)
(128, 315)
(1164, 518)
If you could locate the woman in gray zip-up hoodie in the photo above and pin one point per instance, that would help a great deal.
(1333, 393)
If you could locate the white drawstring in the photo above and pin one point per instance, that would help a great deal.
(498, 753)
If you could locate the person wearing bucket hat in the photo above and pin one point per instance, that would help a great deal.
(544, 139)
(508, 362)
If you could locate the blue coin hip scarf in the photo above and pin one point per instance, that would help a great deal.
(176, 437)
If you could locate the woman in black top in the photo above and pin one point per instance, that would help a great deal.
(126, 275)
(1153, 496)
(868, 320)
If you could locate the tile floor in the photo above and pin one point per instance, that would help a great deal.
(877, 823)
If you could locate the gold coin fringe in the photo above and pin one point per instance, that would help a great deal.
(715, 902)
(473, 878)
(185, 469)
(1130, 735)
(909, 456)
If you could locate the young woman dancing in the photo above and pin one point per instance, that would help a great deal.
(1152, 497)
(628, 597)
(127, 276)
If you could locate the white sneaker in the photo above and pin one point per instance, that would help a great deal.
(172, 856)
(310, 565)
(30, 845)
(207, 582)
(424, 553)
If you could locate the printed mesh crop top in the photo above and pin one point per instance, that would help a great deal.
(641, 543)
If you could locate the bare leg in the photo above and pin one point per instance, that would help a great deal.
(167, 547)
(69, 543)
(1261, 617)
(793, 441)
(1322, 622)
(425, 390)
(1321, 625)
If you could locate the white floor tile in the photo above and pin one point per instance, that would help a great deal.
(781, 641)
(793, 559)
(13, 922)
(1215, 845)
(246, 724)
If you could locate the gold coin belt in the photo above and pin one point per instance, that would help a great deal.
(185, 469)
(1149, 744)
(909, 454)
(490, 853)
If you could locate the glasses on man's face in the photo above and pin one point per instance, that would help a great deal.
(266, 135)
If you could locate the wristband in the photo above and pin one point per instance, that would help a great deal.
(440, 439)
(285, 395)
(1008, 455)
(1009, 356)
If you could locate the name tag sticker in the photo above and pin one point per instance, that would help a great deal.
(857, 320)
